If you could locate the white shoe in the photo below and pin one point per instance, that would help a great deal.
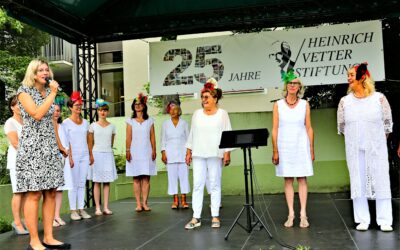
(75, 215)
(84, 215)
(362, 227)
(386, 228)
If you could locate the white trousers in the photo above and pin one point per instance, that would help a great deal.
(178, 171)
(208, 182)
(206, 168)
(79, 175)
(360, 204)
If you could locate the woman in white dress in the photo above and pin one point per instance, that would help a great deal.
(67, 170)
(12, 129)
(77, 132)
(202, 146)
(140, 151)
(174, 134)
(365, 119)
(293, 144)
(101, 141)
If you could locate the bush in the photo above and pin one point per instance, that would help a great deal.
(5, 226)
(120, 163)
(4, 174)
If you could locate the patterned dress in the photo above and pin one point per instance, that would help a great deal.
(38, 164)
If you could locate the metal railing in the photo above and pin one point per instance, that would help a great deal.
(58, 50)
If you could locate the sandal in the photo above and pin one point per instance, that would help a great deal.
(304, 222)
(138, 209)
(98, 212)
(60, 221)
(146, 208)
(289, 222)
(193, 224)
(56, 224)
(107, 212)
(215, 223)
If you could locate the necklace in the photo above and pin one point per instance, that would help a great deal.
(291, 104)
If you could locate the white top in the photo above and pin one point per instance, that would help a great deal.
(173, 140)
(63, 136)
(12, 125)
(293, 141)
(365, 123)
(77, 135)
(102, 137)
(205, 133)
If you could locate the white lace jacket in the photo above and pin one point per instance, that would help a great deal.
(364, 122)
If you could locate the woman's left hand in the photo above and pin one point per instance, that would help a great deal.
(153, 155)
(227, 158)
(312, 155)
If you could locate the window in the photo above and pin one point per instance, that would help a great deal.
(111, 57)
(112, 91)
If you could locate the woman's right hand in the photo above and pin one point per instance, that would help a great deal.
(128, 156)
(275, 158)
(164, 157)
(53, 86)
(71, 162)
(188, 158)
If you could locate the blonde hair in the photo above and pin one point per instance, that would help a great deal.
(29, 79)
(368, 84)
(300, 92)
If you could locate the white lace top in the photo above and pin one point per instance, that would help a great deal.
(364, 122)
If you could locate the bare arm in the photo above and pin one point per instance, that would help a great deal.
(12, 137)
(90, 140)
(38, 112)
(310, 131)
(128, 142)
(153, 142)
(275, 126)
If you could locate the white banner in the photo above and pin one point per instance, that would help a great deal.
(319, 55)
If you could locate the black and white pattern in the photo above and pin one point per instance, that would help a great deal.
(38, 165)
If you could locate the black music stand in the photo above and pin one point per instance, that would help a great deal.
(246, 139)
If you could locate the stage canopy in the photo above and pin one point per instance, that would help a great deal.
(111, 20)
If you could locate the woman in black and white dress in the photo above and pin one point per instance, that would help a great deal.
(39, 169)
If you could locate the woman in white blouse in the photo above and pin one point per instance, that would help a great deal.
(174, 134)
(202, 146)
(364, 118)
(77, 131)
(12, 129)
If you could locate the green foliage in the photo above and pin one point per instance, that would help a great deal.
(155, 101)
(300, 247)
(19, 44)
(120, 163)
(4, 174)
(5, 226)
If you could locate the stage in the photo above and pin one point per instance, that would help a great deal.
(330, 217)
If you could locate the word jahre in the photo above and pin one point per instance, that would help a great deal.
(243, 76)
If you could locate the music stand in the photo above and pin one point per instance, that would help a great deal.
(246, 139)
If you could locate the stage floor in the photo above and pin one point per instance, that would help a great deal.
(330, 217)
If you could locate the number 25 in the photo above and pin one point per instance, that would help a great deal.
(174, 78)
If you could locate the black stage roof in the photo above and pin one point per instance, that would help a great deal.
(112, 20)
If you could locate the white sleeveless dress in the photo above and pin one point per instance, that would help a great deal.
(293, 142)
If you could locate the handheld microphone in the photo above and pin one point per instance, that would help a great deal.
(48, 80)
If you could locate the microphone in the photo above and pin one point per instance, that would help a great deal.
(48, 80)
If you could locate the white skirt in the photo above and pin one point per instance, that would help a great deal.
(13, 180)
(140, 167)
(68, 184)
(103, 168)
